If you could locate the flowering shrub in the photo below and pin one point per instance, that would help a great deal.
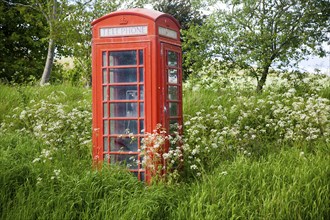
(155, 158)
(55, 124)
(64, 132)
(241, 121)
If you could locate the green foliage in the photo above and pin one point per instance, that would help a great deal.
(23, 47)
(196, 41)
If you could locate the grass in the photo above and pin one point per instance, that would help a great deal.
(284, 181)
(279, 186)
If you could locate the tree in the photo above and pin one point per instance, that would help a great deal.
(54, 13)
(22, 44)
(257, 35)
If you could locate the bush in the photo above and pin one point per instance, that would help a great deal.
(236, 120)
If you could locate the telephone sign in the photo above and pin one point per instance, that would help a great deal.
(123, 31)
(137, 83)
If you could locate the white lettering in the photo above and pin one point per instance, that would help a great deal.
(123, 31)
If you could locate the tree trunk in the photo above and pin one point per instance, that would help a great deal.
(49, 62)
(262, 80)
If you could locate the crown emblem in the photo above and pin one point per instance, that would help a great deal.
(123, 20)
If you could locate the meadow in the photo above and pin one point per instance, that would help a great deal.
(247, 155)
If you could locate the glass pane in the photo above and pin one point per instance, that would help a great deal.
(104, 58)
(141, 126)
(141, 74)
(141, 92)
(105, 127)
(130, 161)
(123, 126)
(173, 109)
(105, 93)
(123, 93)
(173, 76)
(141, 57)
(123, 75)
(105, 110)
(142, 109)
(120, 58)
(104, 76)
(173, 93)
(105, 144)
(123, 109)
(172, 58)
(124, 144)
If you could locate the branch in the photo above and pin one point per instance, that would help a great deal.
(43, 12)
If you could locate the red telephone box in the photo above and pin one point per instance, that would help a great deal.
(137, 83)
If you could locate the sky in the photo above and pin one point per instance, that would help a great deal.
(312, 63)
(323, 64)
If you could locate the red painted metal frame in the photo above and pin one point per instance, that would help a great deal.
(155, 47)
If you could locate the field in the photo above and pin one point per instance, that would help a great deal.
(247, 155)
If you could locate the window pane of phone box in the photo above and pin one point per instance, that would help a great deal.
(124, 126)
(173, 93)
(124, 144)
(121, 58)
(123, 75)
(172, 58)
(124, 109)
(123, 93)
(127, 160)
(173, 76)
(173, 109)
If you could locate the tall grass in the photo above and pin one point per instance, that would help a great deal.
(288, 185)
(261, 178)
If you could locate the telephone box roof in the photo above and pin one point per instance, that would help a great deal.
(148, 13)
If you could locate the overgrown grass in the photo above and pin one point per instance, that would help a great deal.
(287, 185)
(260, 178)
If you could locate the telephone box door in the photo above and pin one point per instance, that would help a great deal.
(172, 86)
(120, 87)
